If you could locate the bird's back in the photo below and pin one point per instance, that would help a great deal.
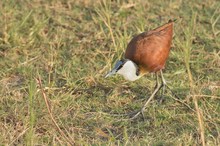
(150, 50)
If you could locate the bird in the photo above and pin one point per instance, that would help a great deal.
(146, 53)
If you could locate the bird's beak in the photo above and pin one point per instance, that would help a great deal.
(112, 72)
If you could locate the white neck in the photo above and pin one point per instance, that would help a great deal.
(129, 71)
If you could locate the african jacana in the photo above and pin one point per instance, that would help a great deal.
(146, 53)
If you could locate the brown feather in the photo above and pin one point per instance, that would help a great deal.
(150, 50)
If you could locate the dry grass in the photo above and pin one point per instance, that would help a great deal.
(71, 45)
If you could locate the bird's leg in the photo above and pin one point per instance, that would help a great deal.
(164, 84)
(158, 87)
(157, 81)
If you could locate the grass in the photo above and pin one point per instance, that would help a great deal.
(70, 45)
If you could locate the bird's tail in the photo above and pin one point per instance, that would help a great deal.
(174, 20)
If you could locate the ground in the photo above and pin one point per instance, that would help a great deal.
(54, 55)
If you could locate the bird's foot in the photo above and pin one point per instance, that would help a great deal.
(141, 112)
(135, 116)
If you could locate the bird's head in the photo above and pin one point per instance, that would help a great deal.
(127, 68)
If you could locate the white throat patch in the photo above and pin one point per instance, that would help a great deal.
(129, 70)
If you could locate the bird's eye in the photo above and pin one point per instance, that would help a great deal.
(119, 67)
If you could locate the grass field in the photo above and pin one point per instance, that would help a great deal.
(54, 54)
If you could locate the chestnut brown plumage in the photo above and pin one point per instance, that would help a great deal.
(150, 50)
(146, 53)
